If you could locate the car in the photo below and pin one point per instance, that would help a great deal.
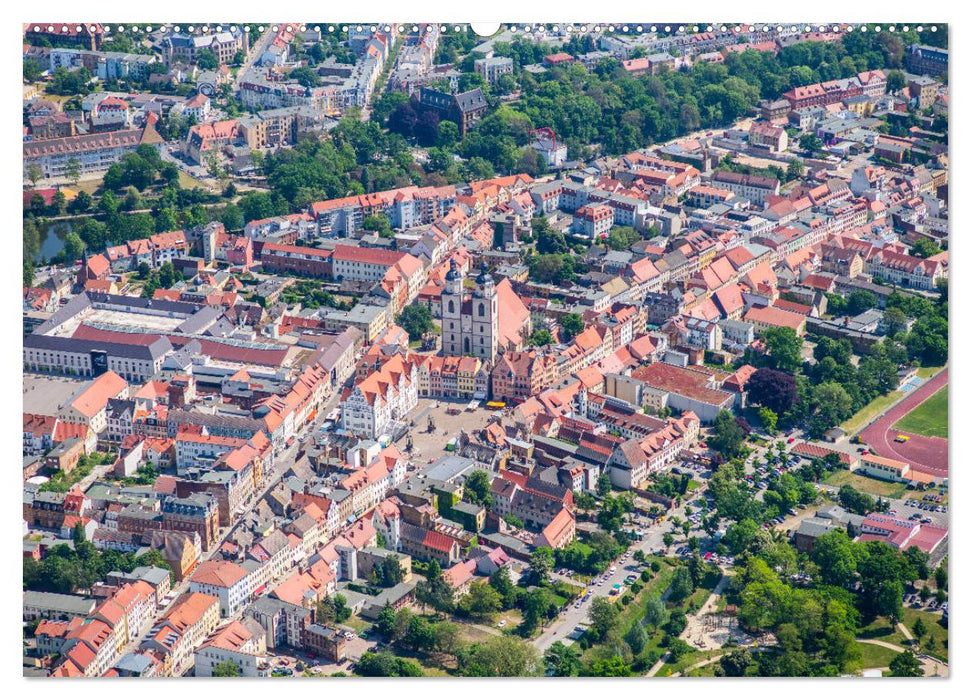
(791, 440)
(793, 511)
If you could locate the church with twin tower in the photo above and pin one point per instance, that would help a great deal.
(470, 321)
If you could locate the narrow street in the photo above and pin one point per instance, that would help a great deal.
(280, 464)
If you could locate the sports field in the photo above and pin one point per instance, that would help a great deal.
(929, 418)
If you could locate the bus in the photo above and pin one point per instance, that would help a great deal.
(496, 404)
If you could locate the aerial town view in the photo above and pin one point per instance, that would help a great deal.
(402, 350)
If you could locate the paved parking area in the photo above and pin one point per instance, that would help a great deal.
(354, 649)
(45, 394)
(429, 446)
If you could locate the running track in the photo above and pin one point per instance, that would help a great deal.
(927, 454)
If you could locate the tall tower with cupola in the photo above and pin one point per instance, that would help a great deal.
(484, 317)
(452, 311)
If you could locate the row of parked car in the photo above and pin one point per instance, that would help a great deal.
(914, 601)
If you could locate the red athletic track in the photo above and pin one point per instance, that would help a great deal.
(926, 454)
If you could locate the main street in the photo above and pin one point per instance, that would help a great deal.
(561, 628)
(281, 463)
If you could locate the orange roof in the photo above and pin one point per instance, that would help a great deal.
(94, 397)
(220, 574)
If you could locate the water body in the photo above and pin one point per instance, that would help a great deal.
(53, 241)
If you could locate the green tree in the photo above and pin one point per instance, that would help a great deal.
(906, 665)
(834, 554)
(378, 223)
(391, 573)
(72, 170)
(504, 656)
(32, 70)
(811, 143)
(538, 606)
(562, 661)
(416, 320)
(386, 622)
(226, 669)
(655, 613)
(481, 602)
(73, 246)
(478, 488)
(768, 419)
(34, 173)
(206, 60)
(894, 321)
(919, 629)
(612, 667)
(895, 81)
(541, 563)
(795, 169)
(636, 638)
(785, 348)
(503, 585)
(420, 635)
(681, 585)
(860, 301)
(924, 248)
(603, 485)
(572, 325)
(540, 338)
(727, 437)
(604, 617)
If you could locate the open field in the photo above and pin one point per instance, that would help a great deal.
(929, 418)
(875, 487)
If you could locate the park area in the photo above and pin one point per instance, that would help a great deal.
(929, 418)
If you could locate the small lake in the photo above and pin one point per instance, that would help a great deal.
(53, 241)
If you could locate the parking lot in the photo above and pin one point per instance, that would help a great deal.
(353, 648)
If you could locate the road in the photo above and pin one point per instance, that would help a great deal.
(560, 629)
(255, 51)
(281, 463)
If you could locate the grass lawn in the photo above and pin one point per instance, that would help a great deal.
(690, 659)
(929, 418)
(359, 625)
(866, 414)
(874, 656)
(881, 629)
(187, 182)
(926, 372)
(874, 487)
(698, 598)
(935, 631)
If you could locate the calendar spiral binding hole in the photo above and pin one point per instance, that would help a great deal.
(514, 28)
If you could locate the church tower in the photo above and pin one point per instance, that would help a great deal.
(452, 311)
(485, 317)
